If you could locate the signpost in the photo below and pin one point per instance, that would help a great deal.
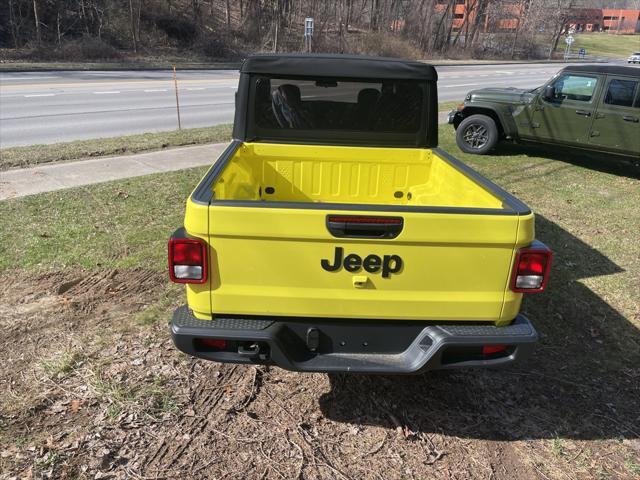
(308, 33)
(569, 40)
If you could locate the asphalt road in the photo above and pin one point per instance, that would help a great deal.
(50, 107)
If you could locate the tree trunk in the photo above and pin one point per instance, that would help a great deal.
(99, 16)
(59, 37)
(515, 39)
(12, 23)
(480, 13)
(228, 14)
(37, 20)
(138, 21)
(83, 14)
(276, 21)
(556, 39)
(340, 32)
(133, 26)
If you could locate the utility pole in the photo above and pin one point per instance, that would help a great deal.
(175, 86)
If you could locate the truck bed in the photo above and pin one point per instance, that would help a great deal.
(266, 212)
(348, 175)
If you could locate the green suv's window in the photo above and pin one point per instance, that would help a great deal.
(620, 92)
(575, 87)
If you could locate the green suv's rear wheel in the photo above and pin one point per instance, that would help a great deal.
(477, 134)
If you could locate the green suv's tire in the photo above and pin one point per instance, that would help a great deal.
(477, 134)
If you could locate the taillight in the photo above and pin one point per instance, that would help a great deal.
(531, 269)
(187, 260)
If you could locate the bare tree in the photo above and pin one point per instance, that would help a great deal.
(132, 18)
(37, 22)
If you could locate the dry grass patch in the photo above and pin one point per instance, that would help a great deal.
(80, 149)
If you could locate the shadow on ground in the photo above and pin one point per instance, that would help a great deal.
(601, 162)
(583, 381)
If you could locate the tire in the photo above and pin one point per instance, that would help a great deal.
(477, 134)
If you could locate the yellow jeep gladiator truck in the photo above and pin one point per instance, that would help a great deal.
(333, 235)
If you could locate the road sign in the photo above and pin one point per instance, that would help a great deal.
(569, 40)
(308, 26)
(308, 33)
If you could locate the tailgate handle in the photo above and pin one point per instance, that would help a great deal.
(364, 226)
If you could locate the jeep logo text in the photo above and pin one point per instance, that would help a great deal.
(372, 263)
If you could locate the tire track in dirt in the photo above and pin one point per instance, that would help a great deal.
(206, 409)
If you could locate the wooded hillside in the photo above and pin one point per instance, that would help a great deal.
(223, 29)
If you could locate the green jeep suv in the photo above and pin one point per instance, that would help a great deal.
(591, 107)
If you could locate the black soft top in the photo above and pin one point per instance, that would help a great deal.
(605, 70)
(338, 66)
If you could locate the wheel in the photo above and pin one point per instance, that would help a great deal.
(477, 134)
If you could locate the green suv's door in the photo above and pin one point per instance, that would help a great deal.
(566, 116)
(616, 125)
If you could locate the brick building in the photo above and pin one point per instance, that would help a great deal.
(621, 21)
(463, 14)
(581, 19)
(605, 20)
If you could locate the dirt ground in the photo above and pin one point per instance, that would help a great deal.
(91, 387)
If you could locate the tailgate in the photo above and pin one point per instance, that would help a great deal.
(441, 266)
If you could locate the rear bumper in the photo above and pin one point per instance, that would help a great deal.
(322, 345)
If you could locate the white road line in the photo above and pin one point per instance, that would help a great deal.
(156, 90)
(107, 92)
(40, 95)
(195, 88)
(462, 85)
(23, 78)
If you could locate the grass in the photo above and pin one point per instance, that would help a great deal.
(49, 460)
(448, 106)
(116, 224)
(62, 364)
(557, 446)
(37, 154)
(154, 398)
(604, 44)
(632, 467)
(151, 63)
(156, 311)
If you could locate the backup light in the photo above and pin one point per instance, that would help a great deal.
(531, 269)
(187, 260)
